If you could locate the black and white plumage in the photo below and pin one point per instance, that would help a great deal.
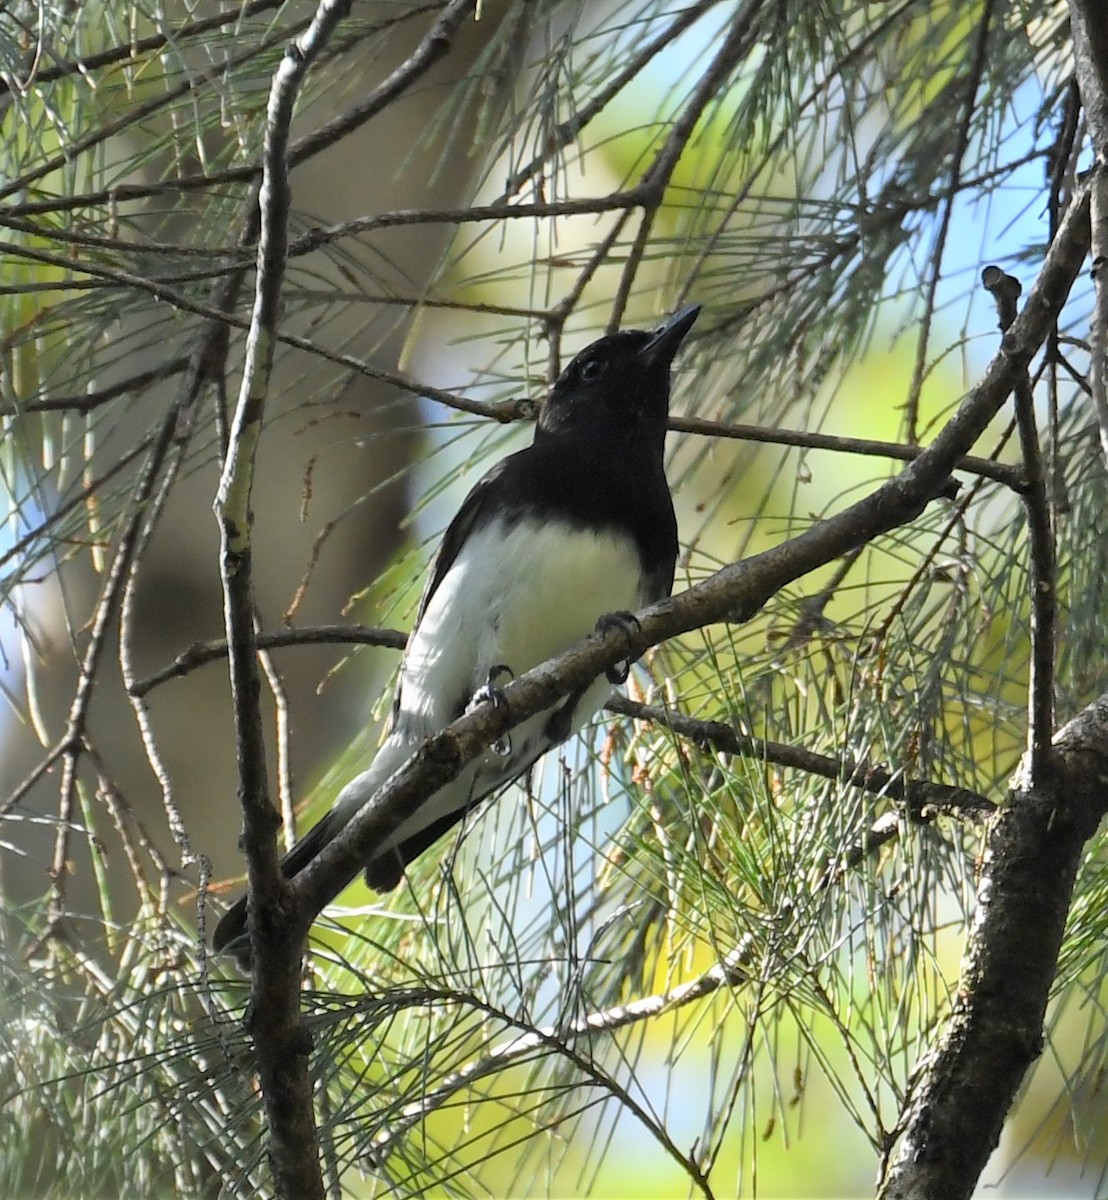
(577, 526)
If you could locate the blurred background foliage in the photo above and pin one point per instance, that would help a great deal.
(657, 967)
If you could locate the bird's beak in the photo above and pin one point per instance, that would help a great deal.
(667, 338)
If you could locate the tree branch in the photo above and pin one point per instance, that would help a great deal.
(281, 1040)
(916, 794)
(137, 49)
(200, 654)
(809, 439)
(1090, 54)
(1042, 570)
(729, 972)
(963, 1089)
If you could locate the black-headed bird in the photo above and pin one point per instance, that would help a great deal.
(576, 528)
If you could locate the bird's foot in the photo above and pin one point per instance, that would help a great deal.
(628, 624)
(491, 693)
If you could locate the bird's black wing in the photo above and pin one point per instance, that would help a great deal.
(475, 508)
(658, 583)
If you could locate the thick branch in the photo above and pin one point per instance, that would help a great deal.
(1089, 19)
(964, 1088)
(281, 1040)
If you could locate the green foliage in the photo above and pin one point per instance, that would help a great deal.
(713, 951)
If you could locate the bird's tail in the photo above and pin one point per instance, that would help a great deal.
(230, 934)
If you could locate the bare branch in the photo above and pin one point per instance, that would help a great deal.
(139, 48)
(923, 799)
(957, 161)
(201, 653)
(729, 972)
(281, 1040)
(812, 440)
(1042, 573)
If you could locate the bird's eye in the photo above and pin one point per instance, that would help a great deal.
(593, 368)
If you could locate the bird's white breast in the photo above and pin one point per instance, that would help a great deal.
(515, 596)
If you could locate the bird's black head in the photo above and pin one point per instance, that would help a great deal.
(619, 383)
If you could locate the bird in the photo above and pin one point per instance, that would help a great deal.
(576, 530)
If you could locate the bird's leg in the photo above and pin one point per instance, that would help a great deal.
(560, 722)
(490, 692)
(627, 623)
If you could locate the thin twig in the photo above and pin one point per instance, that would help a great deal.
(505, 411)
(958, 154)
(1042, 572)
(1098, 334)
(87, 401)
(922, 798)
(554, 322)
(18, 551)
(136, 115)
(201, 653)
(569, 131)
(127, 618)
(132, 833)
(740, 37)
(110, 596)
(250, 173)
(807, 439)
(729, 972)
(812, 608)
(139, 49)
(925, 566)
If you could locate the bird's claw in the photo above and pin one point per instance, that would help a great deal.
(491, 693)
(628, 624)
